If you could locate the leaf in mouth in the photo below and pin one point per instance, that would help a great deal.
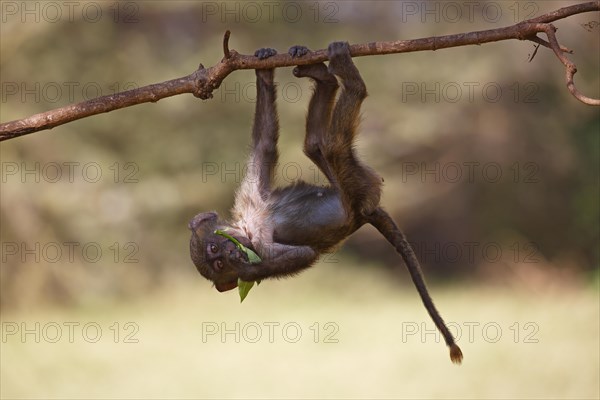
(253, 258)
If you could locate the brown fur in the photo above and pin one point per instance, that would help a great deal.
(290, 227)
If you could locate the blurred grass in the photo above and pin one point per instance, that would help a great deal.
(554, 355)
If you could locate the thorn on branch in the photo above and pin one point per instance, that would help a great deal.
(534, 53)
(544, 43)
(226, 44)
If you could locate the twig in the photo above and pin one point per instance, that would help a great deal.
(203, 81)
(570, 68)
(537, 47)
(226, 44)
(542, 42)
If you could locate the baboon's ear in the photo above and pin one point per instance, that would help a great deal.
(201, 219)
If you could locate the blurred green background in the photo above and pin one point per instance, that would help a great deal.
(490, 167)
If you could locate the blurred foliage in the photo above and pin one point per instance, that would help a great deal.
(162, 163)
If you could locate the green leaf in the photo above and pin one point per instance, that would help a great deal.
(253, 258)
(244, 288)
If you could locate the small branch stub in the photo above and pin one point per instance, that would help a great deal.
(202, 87)
(226, 44)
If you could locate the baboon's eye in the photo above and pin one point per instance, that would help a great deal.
(213, 248)
(218, 265)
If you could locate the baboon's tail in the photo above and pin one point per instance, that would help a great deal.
(381, 220)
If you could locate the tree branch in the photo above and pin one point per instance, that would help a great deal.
(203, 81)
